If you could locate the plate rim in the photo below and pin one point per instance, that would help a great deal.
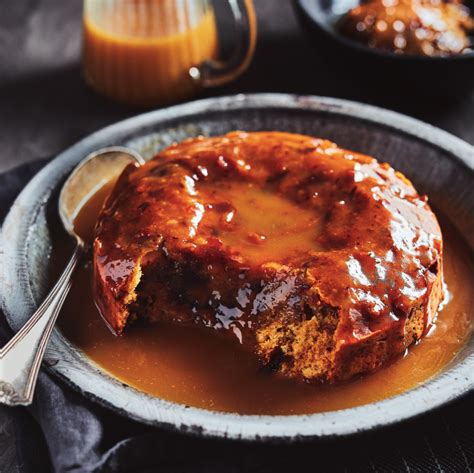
(443, 388)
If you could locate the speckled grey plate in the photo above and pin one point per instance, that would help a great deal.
(439, 164)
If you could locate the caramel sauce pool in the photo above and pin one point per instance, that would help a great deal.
(280, 229)
(197, 367)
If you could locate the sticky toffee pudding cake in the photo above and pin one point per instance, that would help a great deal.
(430, 28)
(322, 262)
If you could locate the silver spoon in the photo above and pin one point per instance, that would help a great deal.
(21, 357)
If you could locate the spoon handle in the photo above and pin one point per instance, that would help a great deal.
(20, 358)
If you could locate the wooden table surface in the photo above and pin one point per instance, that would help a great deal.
(46, 107)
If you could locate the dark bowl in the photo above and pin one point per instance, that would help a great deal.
(439, 164)
(384, 71)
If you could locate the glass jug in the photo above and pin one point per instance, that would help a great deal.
(154, 52)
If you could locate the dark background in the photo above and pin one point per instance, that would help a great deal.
(45, 106)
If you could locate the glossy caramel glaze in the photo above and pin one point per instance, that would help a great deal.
(203, 234)
(416, 27)
(198, 367)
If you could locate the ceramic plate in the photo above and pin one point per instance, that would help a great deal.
(438, 163)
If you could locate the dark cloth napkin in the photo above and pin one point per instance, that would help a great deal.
(64, 432)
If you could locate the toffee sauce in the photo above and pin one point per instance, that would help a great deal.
(196, 366)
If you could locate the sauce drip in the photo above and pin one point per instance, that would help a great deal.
(198, 367)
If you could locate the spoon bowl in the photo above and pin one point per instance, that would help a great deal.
(88, 177)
